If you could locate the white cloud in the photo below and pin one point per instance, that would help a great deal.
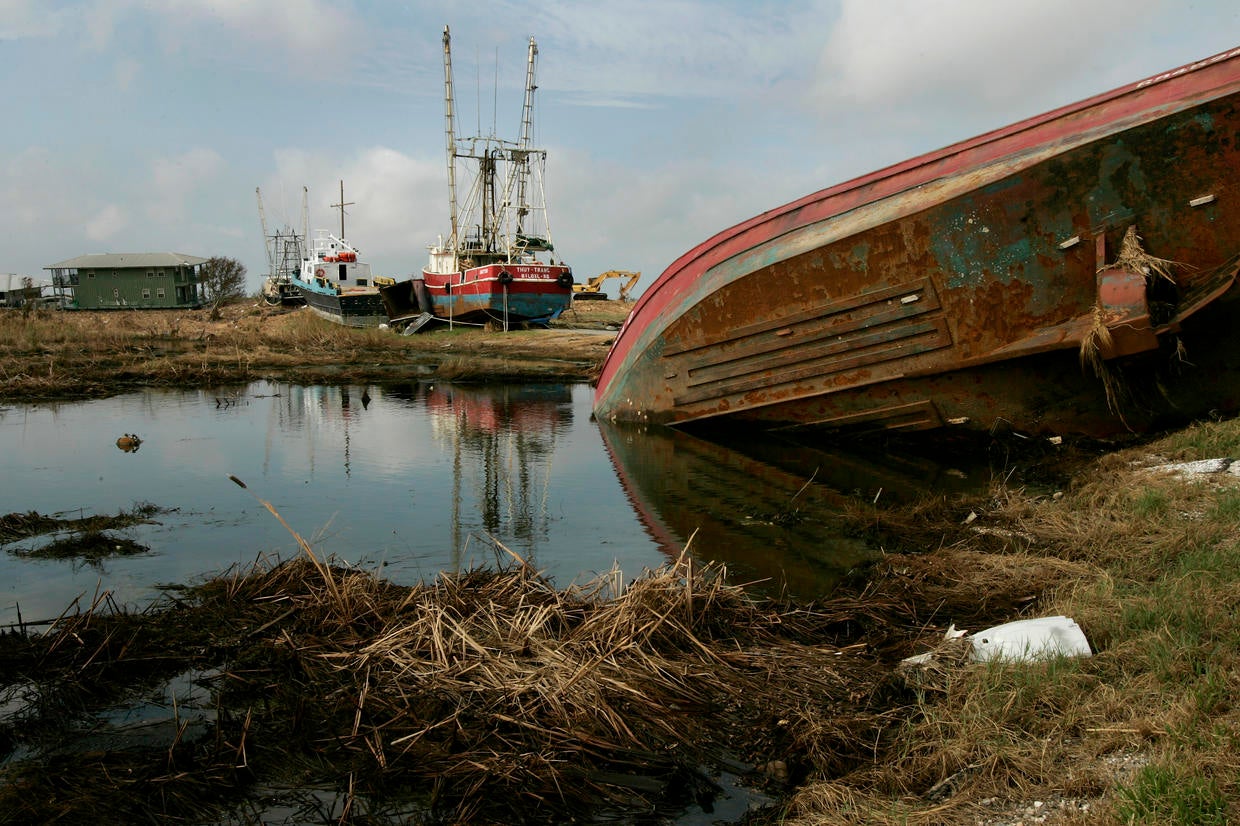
(399, 202)
(126, 72)
(29, 19)
(970, 52)
(292, 26)
(106, 223)
(175, 182)
(100, 20)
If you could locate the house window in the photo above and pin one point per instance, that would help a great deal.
(150, 273)
(90, 274)
(160, 273)
(116, 293)
(159, 292)
(146, 293)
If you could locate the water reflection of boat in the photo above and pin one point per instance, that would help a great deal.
(1072, 273)
(535, 411)
(508, 434)
(904, 474)
(762, 521)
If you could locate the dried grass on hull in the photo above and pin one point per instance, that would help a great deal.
(485, 696)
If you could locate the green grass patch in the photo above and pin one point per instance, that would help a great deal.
(1167, 795)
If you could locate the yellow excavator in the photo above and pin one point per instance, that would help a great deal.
(593, 289)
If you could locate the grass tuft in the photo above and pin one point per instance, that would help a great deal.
(1168, 795)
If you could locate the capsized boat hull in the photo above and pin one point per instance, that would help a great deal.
(1072, 273)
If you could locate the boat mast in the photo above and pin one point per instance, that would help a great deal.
(267, 240)
(305, 214)
(450, 137)
(527, 127)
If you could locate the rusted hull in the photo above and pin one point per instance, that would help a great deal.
(990, 282)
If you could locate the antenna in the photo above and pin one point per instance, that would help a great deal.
(343, 203)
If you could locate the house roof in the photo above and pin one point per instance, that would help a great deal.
(126, 260)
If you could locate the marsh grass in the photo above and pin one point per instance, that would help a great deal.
(1167, 794)
(483, 696)
(1144, 732)
(16, 526)
(73, 354)
(490, 689)
(92, 548)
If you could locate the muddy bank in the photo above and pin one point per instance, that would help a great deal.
(64, 354)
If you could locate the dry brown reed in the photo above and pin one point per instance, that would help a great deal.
(74, 354)
(491, 689)
(1133, 257)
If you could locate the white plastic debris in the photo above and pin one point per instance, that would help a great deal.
(1032, 639)
(1200, 469)
(928, 657)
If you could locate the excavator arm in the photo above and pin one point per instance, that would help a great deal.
(593, 288)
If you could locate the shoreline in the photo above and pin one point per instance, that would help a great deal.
(49, 355)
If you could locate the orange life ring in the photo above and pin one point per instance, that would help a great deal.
(319, 272)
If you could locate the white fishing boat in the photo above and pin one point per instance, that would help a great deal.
(335, 283)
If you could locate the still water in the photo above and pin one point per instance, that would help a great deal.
(408, 481)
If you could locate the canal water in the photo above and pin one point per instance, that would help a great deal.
(412, 480)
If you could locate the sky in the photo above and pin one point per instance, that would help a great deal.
(148, 125)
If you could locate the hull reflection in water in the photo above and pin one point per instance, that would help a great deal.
(762, 522)
(769, 508)
(902, 473)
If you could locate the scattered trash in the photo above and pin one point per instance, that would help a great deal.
(1201, 467)
(1026, 640)
(1041, 638)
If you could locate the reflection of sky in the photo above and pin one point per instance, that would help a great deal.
(402, 482)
